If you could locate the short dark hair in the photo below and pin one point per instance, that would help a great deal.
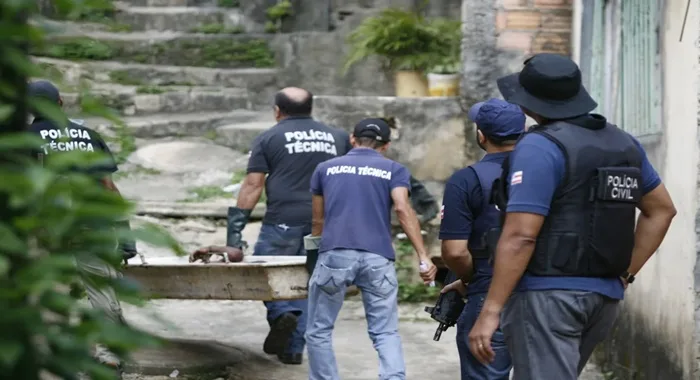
(291, 107)
(501, 140)
(369, 142)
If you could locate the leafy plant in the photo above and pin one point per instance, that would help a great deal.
(149, 90)
(89, 10)
(275, 14)
(404, 39)
(229, 3)
(448, 47)
(51, 215)
(217, 28)
(77, 49)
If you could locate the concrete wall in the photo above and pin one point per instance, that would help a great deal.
(500, 34)
(657, 333)
(430, 139)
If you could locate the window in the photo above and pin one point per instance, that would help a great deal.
(621, 63)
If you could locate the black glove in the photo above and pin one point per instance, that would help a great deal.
(311, 245)
(237, 219)
(423, 202)
(127, 246)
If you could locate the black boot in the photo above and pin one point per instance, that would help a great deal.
(280, 334)
(290, 358)
(236, 221)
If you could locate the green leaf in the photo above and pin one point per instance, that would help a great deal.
(10, 352)
(9, 242)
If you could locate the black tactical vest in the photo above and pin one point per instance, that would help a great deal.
(589, 231)
(486, 227)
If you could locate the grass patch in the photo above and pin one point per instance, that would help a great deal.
(217, 28)
(149, 90)
(203, 193)
(124, 77)
(50, 72)
(211, 135)
(136, 170)
(116, 27)
(411, 291)
(227, 53)
(78, 48)
(229, 3)
(90, 11)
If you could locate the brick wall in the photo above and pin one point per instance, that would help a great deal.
(534, 26)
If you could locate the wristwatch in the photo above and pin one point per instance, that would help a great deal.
(629, 277)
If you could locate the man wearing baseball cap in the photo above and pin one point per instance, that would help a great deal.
(469, 228)
(70, 137)
(351, 211)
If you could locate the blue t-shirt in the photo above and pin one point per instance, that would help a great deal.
(539, 164)
(356, 190)
(462, 202)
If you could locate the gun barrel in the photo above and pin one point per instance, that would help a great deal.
(438, 332)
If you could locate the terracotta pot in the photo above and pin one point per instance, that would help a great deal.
(443, 84)
(410, 84)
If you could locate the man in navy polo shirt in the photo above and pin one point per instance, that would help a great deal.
(468, 220)
(351, 211)
(569, 239)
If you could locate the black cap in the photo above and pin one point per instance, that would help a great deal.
(376, 129)
(44, 89)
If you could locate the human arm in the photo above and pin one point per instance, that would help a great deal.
(460, 194)
(317, 205)
(409, 221)
(657, 212)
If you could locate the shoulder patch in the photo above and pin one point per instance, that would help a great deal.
(442, 211)
(517, 178)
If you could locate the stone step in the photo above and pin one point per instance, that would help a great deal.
(235, 129)
(256, 81)
(185, 19)
(144, 100)
(168, 48)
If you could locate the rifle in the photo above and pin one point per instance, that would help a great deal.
(447, 309)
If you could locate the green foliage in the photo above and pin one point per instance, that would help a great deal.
(77, 48)
(409, 289)
(448, 48)
(229, 3)
(226, 53)
(217, 28)
(124, 77)
(149, 90)
(53, 215)
(275, 14)
(404, 39)
(89, 10)
(203, 193)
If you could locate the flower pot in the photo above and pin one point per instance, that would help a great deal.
(443, 84)
(410, 84)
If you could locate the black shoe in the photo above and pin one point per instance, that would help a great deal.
(280, 334)
(290, 358)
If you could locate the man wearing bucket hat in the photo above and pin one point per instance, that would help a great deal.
(470, 225)
(351, 211)
(569, 195)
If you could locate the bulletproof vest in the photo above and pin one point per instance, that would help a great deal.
(589, 231)
(486, 227)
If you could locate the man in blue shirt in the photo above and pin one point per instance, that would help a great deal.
(470, 225)
(281, 161)
(351, 211)
(569, 239)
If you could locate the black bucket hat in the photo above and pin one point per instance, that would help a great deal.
(550, 86)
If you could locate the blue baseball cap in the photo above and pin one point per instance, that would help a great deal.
(498, 118)
(44, 89)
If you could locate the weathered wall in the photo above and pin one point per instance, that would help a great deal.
(656, 336)
(500, 34)
(430, 136)
(314, 57)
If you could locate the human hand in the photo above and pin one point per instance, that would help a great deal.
(480, 336)
(624, 282)
(427, 271)
(458, 285)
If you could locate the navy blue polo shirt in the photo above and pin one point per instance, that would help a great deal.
(462, 203)
(539, 166)
(356, 190)
(288, 154)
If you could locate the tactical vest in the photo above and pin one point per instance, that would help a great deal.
(589, 231)
(486, 228)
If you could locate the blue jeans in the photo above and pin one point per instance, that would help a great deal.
(375, 276)
(283, 240)
(471, 368)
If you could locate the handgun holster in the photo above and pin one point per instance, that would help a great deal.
(236, 221)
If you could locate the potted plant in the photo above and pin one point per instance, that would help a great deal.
(406, 43)
(444, 77)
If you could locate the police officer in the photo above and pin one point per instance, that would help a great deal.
(352, 200)
(470, 225)
(569, 240)
(282, 160)
(78, 137)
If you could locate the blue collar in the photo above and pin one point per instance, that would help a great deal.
(362, 151)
